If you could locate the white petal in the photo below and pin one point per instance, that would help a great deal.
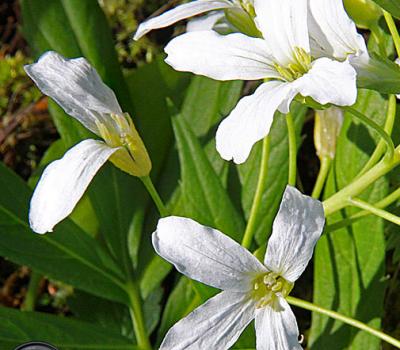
(329, 81)
(179, 13)
(276, 328)
(206, 22)
(333, 32)
(221, 57)
(63, 183)
(284, 26)
(251, 120)
(217, 324)
(75, 85)
(205, 254)
(295, 231)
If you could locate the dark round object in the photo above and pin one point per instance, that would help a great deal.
(35, 345)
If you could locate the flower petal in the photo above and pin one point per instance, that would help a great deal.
(332, 31)
(217, 324)
(296, 229)
(75, 85)
(284, 26)
(221, 57)
(205, 254)
(63, 183)
(276, 327)
(179, 13)
(251, 120)
(206, 22)
(329, 81)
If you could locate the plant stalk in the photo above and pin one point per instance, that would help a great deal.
(262, 181)
(292, 149)
(345, 319)
(154, 195)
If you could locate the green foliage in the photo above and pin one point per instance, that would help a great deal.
(349, 262)
(392, 6)
(103, 252)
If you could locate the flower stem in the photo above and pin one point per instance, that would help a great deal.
(262, 177)
(340, 199)
(374, 210)
(390, 199)
(154, 195)
(380, 149)
(345, 319)
(31, 293)
(292, 149)
(393, 30)
(386, 138)
(322, 175)
(136, 313)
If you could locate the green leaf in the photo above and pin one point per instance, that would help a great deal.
(391, 6)
(101, 312)
(203, 194)
(349, 263)
(277, 173)
(68, 254)
(207, 101)
(180, 303)
(93, 35)
(46, 27)
(64, 333)
(379, 74)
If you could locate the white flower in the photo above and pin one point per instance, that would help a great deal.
(239, 11)
(78, 89)
(181, 12)
(308, 49)
(250, 289)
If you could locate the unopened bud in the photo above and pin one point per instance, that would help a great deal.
(364, 12)
(328, 123)
(242, 21)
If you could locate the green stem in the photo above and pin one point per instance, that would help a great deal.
(340, 199)
(262, 177)
(374, 210)
(154, 195)
(380, 149)
(345, 319)
(292, 149)
(385, 137)
(393, 30)
(136, 313)
(31, 293)
(322, 175)
(390, 199)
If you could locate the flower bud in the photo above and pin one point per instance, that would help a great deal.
(364, 12)
(326, 131)
(242, 21)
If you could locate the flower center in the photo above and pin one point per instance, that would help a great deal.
(268, 286)
(121, 132)
(300, 65)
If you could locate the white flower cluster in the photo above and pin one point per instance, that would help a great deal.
(306, 48)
